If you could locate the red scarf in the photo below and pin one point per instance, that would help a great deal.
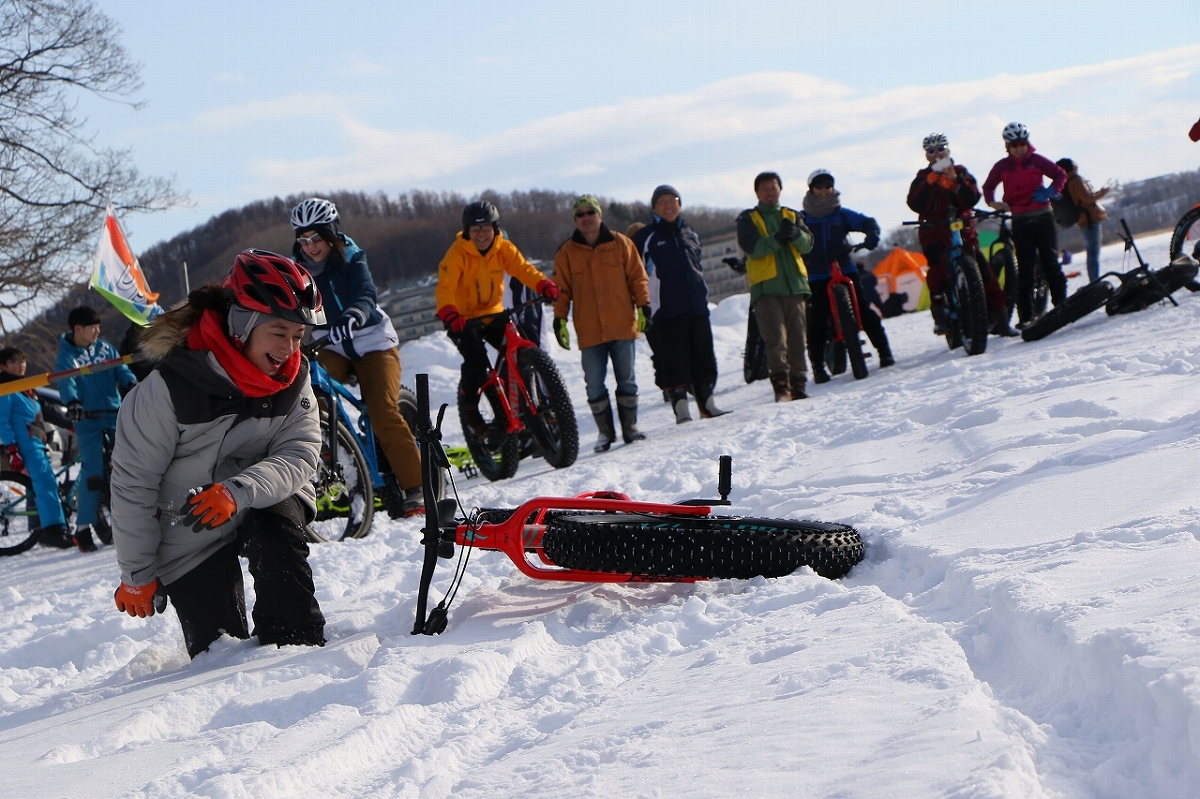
(209, 334)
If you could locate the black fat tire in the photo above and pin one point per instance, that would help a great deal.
(718, 547)
(1139, 293)
(972, 306)
(1089, 298)
(1185, 227)
(835, 352)
(553, 427)
(754, 357)
(408, 409)
(844, 308)
(496, 461)
(1041, 292)
(18, 526)
(345, 496)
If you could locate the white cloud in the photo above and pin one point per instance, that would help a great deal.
(1124, 119)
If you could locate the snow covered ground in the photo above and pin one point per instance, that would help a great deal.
(1026, 622)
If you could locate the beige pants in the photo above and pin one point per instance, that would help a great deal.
(781, 320)
(379, 381)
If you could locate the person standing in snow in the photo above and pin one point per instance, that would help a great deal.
(214, 458)
(774, 239)
(363, 342)
(1035, 236)
(830, 224)
(1091, 213)
(942, 190)
(603, 280)
(24, 440)
(92, 402)
(471, 286)
(681, 337)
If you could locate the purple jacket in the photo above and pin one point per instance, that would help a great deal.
(1021, 179)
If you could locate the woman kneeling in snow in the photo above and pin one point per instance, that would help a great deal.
(214, 457)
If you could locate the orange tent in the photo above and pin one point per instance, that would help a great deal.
(904, 271)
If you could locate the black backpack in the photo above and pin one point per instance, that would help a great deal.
(1066, 212)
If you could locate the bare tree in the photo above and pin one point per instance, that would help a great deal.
(54, 182)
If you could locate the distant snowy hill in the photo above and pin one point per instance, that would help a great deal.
(1026, 622)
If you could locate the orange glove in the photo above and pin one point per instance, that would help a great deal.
(137, 600)
(212, 506)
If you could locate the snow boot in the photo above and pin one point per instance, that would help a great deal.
(885, 358)
(602, 413)
(414, 501)
(779, 383)
(705, 404)
(84, 540)
(796, 384)
(819, 374)
(55, 536)
(679, 404)
(627, 412)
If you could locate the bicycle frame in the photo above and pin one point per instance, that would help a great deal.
(332, 393)
(505, 377)
(836, 278)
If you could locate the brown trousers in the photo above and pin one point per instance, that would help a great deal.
(781, 320)
(379, 381)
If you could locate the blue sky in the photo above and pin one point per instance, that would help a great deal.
(254, 99)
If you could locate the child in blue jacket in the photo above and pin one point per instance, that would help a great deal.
(24, 441)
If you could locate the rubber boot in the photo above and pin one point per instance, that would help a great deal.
(705, 404)
(627, 413)
(55, 536)
(783, 390)
(1000, 323)
(679, 404)
(796, 384)
(602, 413)
(84, 540)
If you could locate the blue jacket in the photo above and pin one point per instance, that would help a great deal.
(17, 412)
(671, 254)
(97, 392)
(829, 241)
(348, 287)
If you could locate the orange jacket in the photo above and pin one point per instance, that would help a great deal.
(606, 283)
(474, 283)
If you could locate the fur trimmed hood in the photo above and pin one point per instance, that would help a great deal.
(170, 330)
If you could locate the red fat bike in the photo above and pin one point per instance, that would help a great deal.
(606, 537)
(846, 317)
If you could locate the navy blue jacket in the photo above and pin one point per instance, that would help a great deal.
(347, 286)
(671, 254)
(829, 241)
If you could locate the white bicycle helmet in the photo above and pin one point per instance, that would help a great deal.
(935, 141)
(1015, 131)
(816, 173)
(314, 212)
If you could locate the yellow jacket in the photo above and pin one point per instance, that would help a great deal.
(474, 283)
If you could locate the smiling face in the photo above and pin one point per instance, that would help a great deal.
(272, 343)
(86, 335)
(768, 191)
(483, 236)
(15, 367)
(668, 207)
(313, 245)
(587, 220)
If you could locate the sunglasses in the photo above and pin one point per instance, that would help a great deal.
(588, 212)
(313, 239)
(936, 150)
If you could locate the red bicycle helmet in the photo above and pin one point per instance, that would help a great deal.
(275, 285)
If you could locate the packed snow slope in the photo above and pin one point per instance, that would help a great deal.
(1026, 621)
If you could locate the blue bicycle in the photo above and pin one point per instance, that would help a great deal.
(966, 303)
(353, 472)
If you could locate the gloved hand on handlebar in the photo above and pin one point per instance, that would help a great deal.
(1045, 194)
(787, 231)
(343, 329)
(562, 334)
(452, 319)
(549, 289)
(871, 241)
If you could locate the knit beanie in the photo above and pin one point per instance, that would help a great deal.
(660, 191)
(586, 201)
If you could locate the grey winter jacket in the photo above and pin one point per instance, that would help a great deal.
(187, 426)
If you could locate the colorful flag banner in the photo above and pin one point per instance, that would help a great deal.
(117, 275)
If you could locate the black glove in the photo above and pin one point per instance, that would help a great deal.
(343, 329)
(75, 411)
(787, 231)
(872, 241)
